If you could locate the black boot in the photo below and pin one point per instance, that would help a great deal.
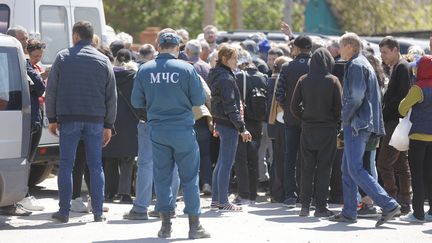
(165, 231)
(196, 231)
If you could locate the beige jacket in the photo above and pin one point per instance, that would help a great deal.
(204, 110)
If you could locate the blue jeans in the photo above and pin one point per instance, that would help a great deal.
(70, 135)
(144, 174)
(222, 172)
(354, 174)
(171, 146)
(292, 145)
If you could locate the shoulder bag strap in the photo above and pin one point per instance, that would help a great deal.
(131, 109)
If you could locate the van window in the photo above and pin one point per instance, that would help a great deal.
(4, 18)
(91, 15)
(54, 29)
(10, 79)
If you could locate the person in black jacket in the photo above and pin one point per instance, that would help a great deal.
(227, 114)
(246, 160)
(391, 162)
(120, 153)
(289, 76)
(317, 102)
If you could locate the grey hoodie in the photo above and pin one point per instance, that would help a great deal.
(317, 98)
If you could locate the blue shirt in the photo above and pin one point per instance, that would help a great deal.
(168, 88)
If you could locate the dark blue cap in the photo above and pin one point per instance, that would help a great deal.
(170, 38)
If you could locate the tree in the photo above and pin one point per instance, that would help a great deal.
(135, 16)
(382, 16)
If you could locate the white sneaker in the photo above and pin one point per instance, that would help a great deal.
(428, 217)
(78, 206)
(206, 189)
(411, 218)
(31, 204)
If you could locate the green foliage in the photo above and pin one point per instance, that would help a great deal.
(134, 16)
(382, 16)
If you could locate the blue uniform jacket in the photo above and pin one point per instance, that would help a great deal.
(168, 88)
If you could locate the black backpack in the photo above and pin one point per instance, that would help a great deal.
(255, 102)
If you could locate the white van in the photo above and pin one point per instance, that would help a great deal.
(14, 122)
(51, 21)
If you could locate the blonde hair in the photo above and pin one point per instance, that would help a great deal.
(95, 41)
(351, 39)
(226, 52)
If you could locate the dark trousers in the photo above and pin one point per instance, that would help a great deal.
(118, 173)
(392, 163)
(336, 191)
(318, 148)
(203, 138)
(366, 166)
(420, 161)
(80, 169)
(292, 161)
(246, 168)
(277, 168)
(36, 134)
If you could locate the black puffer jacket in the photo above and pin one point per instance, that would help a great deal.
(225, 97)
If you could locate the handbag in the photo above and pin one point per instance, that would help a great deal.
(400, 137)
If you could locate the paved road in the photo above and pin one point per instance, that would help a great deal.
(263, 222)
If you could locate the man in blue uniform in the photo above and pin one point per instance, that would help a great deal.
(168, 88)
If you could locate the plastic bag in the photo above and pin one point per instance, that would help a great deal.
(400, 137)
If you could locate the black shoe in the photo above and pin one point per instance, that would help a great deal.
(14, 210)
(304, 212)
(99, 218)
(387, 216)
(126, 199)
(133, 215)
(290, 202)
(405, 209)
(155, 214)
(323, 213)
(342, 219)
(59, 217)
(367, 211)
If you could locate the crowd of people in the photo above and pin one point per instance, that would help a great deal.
(312, 120)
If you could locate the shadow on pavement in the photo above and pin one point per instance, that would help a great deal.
(48, 225)
(294, 219)
(149, 239)
(427, 231)
(126, 221)
(339, 227)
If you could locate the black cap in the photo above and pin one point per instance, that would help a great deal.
(303, 42)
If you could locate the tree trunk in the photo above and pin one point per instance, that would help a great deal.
(236, 14)
(209, 12)
(287, 12)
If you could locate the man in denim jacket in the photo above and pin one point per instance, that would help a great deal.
(361, 118)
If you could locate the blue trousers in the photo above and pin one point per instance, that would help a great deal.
(354, 175)
(70, 135)
(144, 174)
(176, 145)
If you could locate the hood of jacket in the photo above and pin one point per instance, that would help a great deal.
(321, 62)
(424, 69)
(124, 75)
